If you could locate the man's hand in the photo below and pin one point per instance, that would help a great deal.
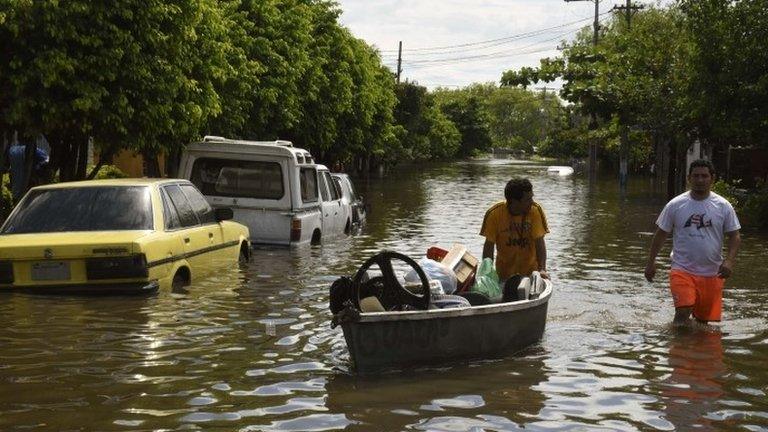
(658, 240)
(544, 274)
(650, 271)
(726, 269)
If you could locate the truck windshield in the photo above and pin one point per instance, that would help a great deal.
(103, 208)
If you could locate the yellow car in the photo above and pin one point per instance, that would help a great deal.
(116, 236)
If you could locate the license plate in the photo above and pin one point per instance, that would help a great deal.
(50, 270)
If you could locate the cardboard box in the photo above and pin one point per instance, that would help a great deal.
(461, 262)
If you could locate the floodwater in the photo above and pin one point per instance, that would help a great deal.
(254, 351)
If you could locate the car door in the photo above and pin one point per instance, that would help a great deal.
(345, 208)
(215, 249)
(337, 213)
(195, 236)
(349, 200)
(330, 207)
(173, 242)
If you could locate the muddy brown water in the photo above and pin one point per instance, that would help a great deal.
(252, 350)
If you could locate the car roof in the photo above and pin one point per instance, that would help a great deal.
(113, 182)
(225, 145)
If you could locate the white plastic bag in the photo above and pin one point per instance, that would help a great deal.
(435, 271)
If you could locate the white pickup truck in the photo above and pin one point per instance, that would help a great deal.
(275, 189)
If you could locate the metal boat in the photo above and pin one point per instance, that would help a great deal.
(404, 338)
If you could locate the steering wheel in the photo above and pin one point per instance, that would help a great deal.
(389, 291)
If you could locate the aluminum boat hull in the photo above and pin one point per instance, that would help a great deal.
(381, 340)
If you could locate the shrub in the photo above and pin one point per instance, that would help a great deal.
(756, 205)
(108, 172)
(729, 191)
(6, 201)
(751, 205)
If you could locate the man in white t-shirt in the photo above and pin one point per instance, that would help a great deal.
(698, 220)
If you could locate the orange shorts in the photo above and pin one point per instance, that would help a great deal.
(704, 293)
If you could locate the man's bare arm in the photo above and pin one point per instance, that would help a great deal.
(488, 249)
(726, 268)
(541, 257)
(659, 237)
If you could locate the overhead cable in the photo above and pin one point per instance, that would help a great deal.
(491, 42)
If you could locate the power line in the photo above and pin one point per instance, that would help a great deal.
(491, 42)
(493, 55)
(490, 56)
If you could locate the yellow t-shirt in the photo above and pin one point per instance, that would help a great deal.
(514, 237)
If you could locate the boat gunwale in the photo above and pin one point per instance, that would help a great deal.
(493, 308)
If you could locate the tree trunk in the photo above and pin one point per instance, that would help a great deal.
(65, 157)
(623, 157)
(151, 166)
(172, 162)
(5, 207)
(82, 157)
(29, 163)
(105, 158)
(672, 171)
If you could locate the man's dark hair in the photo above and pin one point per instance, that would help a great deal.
(516, 188)
(702, 163)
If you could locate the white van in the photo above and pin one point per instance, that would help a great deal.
(275, 189)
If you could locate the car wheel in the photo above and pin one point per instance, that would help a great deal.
(179, 282)
(244, 257)
(316, 237)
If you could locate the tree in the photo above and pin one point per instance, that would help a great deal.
(729, 86)
(466, 109)
(130, 73)
(633, 83)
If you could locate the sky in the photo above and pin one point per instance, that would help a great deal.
(454, 43)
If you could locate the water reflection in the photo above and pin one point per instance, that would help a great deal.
(253, 350)
(695, 384)
(456, 398)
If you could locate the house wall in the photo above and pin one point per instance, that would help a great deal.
(748, 165)
(132, 163)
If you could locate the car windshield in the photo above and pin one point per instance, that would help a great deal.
(104, 208)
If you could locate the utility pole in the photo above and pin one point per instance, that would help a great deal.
(597, 15)
(544, 113)
(399, 60)
(592, 163)
(629, 9)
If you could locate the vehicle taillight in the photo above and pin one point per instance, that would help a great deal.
(295, 230)
(133, 266)
(6, 272)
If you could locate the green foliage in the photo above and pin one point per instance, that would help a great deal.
(728, 191)
(521, 119)
(6, 197)
(633, 82)
(108, 172)
(730, 68)
(139, 73)
(756, 206)
(751, 205)
(426, 132)
(153, 75)
(466, 108)
(697, 69)
(506, 117)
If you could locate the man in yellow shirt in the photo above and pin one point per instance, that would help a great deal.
(516, 229)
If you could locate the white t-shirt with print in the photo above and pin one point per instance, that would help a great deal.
(697, 228)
